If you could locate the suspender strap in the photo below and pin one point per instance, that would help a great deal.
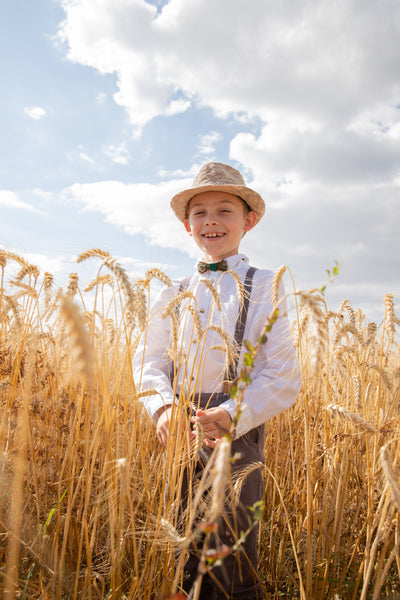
(241, 322)
(231, 373)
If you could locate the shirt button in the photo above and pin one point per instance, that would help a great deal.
(194, 341)
(202, 310)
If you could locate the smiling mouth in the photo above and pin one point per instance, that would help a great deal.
(213, 235)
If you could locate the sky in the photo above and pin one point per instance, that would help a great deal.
(110, 107)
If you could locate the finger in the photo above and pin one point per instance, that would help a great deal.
(210, 443)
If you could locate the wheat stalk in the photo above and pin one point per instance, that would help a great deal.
(130, 296)
(72, 285)
(14, 256)
(350, 311)
(175, 302)
(390, 475)
(81, 340)
(28, 270)
(220, 477)
(141, 306)
(210, 285)
(318, 329)
(276, 283)
(100, 280)
(389, 318)
(239, 285)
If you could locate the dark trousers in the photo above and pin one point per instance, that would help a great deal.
(237, 576)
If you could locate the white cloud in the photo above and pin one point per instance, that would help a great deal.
(118, 153)
(180, 105)
(86, 158)
(254, 58)
(320, 78)
(208, 142)
(10, 199)
(101, 98)
(35, 112)
(136, 208)
(308, 232)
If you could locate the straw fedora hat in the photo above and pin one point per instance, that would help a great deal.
(219, 177)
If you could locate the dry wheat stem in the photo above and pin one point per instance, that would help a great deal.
(220, 476)
(390, 474)
(319, 329)
(77, 438)
(122, 277)
(241, 475)
(81, 340)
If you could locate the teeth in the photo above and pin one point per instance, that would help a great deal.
(213, 235)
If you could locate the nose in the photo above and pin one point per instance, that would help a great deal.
(211, 219)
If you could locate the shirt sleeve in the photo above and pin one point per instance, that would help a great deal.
(151, 365)
(275, 378)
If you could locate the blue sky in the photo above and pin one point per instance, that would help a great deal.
(109, 107)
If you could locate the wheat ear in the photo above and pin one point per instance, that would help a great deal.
(28, 270)
(96, 252)
(389, 318)
(72, 285)
(210, 285)
(347, 415)
(276, 283)
(122, 277)
(157, 274)
(100, 280)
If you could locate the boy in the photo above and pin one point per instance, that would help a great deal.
(217, 211)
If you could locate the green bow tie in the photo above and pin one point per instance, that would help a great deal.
(203, 267)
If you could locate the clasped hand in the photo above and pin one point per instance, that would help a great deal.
(214, 421)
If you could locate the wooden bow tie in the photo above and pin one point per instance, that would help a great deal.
(222, 265)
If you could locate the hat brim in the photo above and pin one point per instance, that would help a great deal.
(180, 201)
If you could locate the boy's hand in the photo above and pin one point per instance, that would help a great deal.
(164, 422)
(214, 422)
(163, 425)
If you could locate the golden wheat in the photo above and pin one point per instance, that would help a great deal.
(214, 293)
(90, 502)
(81, 341)
(276, 283)
(390, 474)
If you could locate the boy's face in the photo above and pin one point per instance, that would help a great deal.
(217, 221)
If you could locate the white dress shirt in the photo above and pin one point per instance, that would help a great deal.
(199, 355)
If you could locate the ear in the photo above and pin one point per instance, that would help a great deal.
(250, 220)
(187, 226)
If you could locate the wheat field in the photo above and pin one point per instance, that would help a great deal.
(84, 507)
